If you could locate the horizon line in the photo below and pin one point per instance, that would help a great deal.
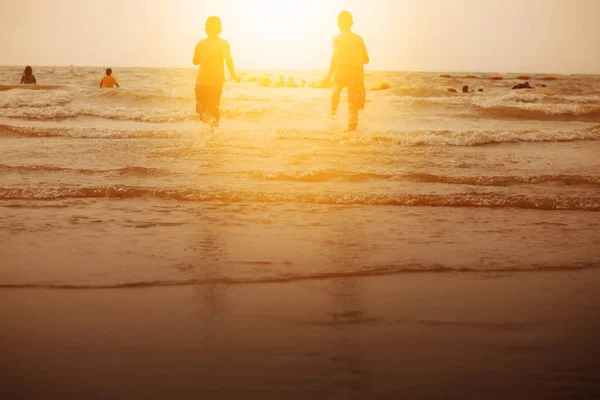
(367, 70)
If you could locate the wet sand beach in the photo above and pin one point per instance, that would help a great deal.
(427, 336)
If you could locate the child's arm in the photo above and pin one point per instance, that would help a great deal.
(365, 53)
(22, 79)
(229, 62)
(334, 62)
(101, 82)
(117, 84)
(332, 67)
(196, 60)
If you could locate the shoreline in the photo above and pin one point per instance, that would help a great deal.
(483, 274)
(525, 335)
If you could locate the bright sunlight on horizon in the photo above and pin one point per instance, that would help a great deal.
(429, 35)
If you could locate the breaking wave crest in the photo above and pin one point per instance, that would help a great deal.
(131, 170)
(35, 99)
(506, 180)
(54, 112)
(324, 175)
(114, 113)
(545, 112)
(333, 174)
(402, 138)
(88, 133)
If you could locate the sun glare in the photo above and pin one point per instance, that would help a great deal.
(284, 19)
(267, 34)
(285, 34)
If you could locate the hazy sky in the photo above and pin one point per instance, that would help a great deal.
(436, 35)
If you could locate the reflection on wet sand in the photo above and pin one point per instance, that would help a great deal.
(347, 308)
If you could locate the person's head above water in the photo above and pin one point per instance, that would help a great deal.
(213, 26)
(345, 21)
(108, 71)
(28, 70)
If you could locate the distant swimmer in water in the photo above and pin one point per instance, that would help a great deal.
(525, 85)
(109, 81)
(210, 55)
(466, 89)
(281, 82)
(291, 83)
(347, 69)
(28, 78)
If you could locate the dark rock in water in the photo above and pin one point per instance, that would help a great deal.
(480, 90)
(544, 85)
(525, 85)
(452, 90)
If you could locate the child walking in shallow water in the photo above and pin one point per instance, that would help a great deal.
(347, 69)
(210, 55)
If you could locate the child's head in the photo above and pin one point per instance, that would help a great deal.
(345, 21)
(213, 26)
(108, 71)
(28, 70)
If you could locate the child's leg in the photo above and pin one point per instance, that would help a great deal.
(356, 102)
(335, 100)
(200, 108)
(352, 118)
(215, 103)
(214, 116)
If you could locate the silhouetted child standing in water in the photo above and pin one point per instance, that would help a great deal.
(209, 55)
(108, 81)
(28, 78)
(347, 69)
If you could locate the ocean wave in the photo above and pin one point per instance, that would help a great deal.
(4, 88)
(157, 115)
(401, 138)
(419, 91)
(35, 99)
(332, 174)
(117, 113)
(180, 95)
(475, 138)
(87, 133)
(385, 270)
(318, 175)
(131, 170)
(570, 180)
(543, 97)
(478, 200)
(545, 112)
(552, 105)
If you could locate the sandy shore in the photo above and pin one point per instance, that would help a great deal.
(426, 336)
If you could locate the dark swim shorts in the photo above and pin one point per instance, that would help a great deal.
(208, 99)
(352, 78)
